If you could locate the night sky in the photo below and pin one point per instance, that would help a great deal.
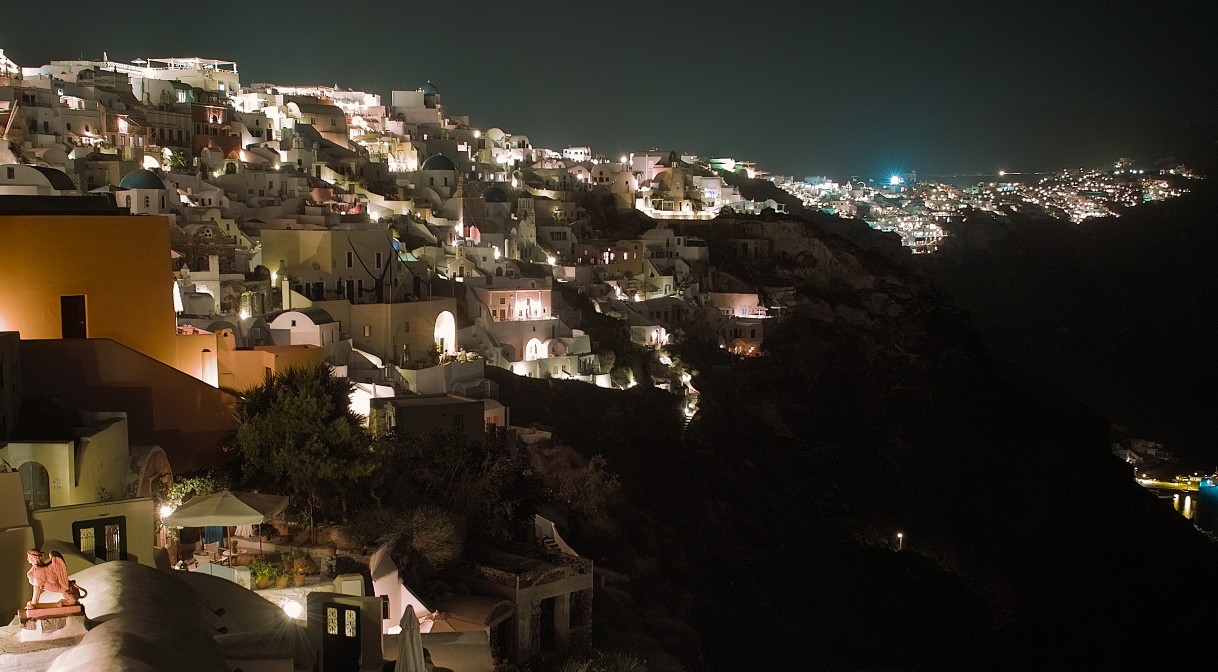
(802, 88)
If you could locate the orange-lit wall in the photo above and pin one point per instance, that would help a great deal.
(119, 263)
(244, 369)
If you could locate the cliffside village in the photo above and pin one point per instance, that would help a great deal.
(170, 236)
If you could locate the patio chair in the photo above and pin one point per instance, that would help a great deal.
(212, 549)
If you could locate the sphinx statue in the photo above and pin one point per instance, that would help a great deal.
(47, 572)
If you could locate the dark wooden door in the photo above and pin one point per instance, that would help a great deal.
(72, 316)
(340, 642)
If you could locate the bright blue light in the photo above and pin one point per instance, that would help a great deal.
(894, 180)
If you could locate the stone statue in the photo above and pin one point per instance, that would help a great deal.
(47, 572)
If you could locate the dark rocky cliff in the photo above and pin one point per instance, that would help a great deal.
(764, 535)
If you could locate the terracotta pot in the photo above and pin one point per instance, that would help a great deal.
(262, 582)
(299, 579)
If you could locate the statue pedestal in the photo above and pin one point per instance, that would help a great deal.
(51, 621)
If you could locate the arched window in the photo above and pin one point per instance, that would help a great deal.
(36, 485)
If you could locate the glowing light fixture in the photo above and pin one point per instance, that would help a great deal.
(167, 510)
(293, 609)
(894, 180)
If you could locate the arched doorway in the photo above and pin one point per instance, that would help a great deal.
(446, 333)
(534, 350)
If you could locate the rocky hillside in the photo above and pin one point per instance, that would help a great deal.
(1112, 310)
(765, 535)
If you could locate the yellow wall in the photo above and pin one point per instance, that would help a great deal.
(120, 264)
(104, 462)
(55, 456)
(312, 255)
(299, 250)
(387, 325)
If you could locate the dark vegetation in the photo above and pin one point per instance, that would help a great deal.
(436, 496)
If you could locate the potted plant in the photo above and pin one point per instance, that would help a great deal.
(281, 578)
(262, 573)
(298, 562)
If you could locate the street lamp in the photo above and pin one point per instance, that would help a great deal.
(900, 540)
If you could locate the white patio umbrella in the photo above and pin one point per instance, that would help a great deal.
(228, 508)
(410, 644)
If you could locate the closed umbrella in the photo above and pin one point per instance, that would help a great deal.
(228, 508)
(410, 644)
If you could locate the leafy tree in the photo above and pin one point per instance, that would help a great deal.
(185, 488)
(297, 430)
(488, 484)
